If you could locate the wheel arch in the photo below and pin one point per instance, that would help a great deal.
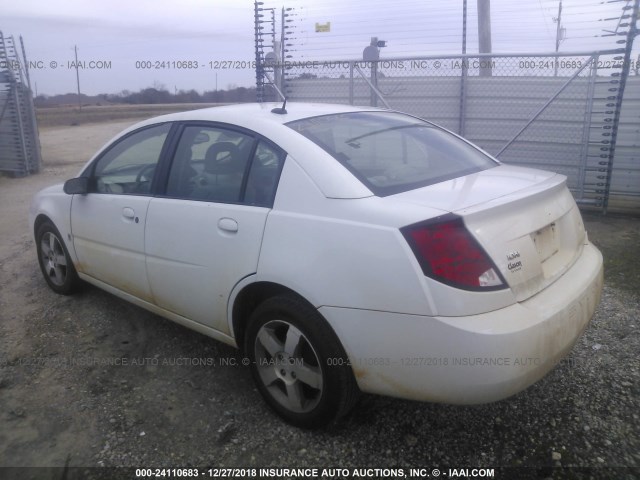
(39, 220)
(54, 206)
(323, 401)
(248, 298)
(62, 278)
(42, 218)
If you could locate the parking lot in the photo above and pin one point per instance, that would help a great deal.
(91, 380)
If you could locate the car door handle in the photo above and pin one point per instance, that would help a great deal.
(130, 214)
(228, 225)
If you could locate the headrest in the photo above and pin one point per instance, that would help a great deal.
(222, 157)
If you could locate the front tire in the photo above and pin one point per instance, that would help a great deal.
(55, 262)
(298, 363)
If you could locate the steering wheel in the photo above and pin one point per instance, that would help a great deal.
(144, 175)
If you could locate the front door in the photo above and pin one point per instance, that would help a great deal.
(108, 223)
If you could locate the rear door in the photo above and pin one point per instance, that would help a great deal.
(108, 223)
(204, 235)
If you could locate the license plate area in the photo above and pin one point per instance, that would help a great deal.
(546, 242)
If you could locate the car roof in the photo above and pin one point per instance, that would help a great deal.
(246, 114)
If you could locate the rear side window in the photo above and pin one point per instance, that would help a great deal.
(210, 164)
(264, 174)
(391, 152)
(220, 165)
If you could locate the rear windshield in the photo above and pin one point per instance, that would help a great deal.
(391, 152)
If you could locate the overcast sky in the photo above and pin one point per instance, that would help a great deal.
(121, 33)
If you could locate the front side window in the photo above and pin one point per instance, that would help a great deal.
(391, 152)
(128, 166)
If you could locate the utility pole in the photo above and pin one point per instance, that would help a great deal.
(464, 26)
(484, 35)
(558, 37)
(463, 73)
(283, 36)
(78, 77)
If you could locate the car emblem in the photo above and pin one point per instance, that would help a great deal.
(514, 266)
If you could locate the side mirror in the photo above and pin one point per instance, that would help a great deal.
(77, 186)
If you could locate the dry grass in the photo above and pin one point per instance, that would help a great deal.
(72, 115)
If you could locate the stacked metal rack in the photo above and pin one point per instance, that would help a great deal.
(19, 141)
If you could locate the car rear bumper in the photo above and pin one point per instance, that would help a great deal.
(473, 359)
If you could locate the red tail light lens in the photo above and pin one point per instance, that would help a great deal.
(447, 252)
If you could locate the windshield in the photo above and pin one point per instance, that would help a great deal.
(391, 152)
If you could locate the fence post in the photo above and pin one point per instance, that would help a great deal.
(586, 129)
(374, 82)
(273, 84)
(463, 98)
(351, 83)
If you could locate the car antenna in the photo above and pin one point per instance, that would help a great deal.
(280, 110)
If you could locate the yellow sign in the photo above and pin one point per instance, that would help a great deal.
(323, 27)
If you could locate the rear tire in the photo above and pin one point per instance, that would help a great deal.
(55, 262)
(298, 363)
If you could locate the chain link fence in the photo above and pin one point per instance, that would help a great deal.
(554, 112)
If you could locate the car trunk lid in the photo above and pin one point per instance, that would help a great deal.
(526, 220)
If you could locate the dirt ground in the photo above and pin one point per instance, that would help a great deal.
(67, 398)
(70, 115)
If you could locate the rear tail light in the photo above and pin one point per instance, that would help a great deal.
(448, 253)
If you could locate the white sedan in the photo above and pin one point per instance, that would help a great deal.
(344, 249)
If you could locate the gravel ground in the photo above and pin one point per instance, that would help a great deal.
(64, 400)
